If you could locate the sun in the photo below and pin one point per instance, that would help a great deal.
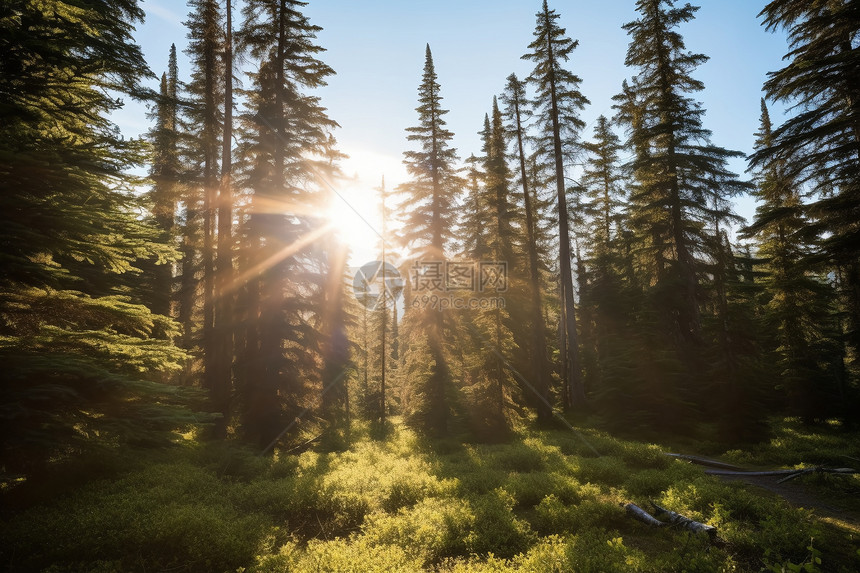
(354, 209)
(353, 213)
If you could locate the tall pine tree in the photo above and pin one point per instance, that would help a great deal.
(797, 302)
(165, 172)
(205, 96)
(820, 144)
(559, 103)
(286, 157)
(681, 182)
(492, 330)
(517, 113)
(429, 201)
(219, 373)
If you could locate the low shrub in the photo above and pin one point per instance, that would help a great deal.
(338, 556)
(430, 530)
(496, 530)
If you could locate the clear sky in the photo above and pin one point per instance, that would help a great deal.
(377, 49)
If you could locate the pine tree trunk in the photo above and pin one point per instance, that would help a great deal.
(538, 342)
(264, 416)
(165, 208)
(438, 407)
(689, 327)
(587, 338)
(573, 382)
(210, 146)
(188, 281)
(210, 199)
(853, 269)
(336, 346)
(220, 376)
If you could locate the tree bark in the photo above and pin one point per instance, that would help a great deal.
(575, 391)
(541, 370)
(220, 376)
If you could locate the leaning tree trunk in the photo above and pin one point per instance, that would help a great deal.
(573, 383)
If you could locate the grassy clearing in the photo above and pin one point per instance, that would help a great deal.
(540, 503)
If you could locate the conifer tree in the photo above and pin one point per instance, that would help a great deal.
(602, 180)
(472, 240)
(492, 331)
(682, 168)
(377, 331)
(517, 112)
(604, 296)
(797, 302)
(363, 332)
(646, 220)
(503, 205)
(559, 103)
(82, 358)
(219, 376)
(165, 173)
(388, 310)
(429, 200)
(205, 96)
(820, 144)
(680, 183)
(334, 343)
(286, 154)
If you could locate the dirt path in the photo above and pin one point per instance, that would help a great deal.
(830, 508)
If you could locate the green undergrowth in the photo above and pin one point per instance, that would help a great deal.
(543, 502)
(794, 443)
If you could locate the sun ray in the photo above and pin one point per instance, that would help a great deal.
(285, 253)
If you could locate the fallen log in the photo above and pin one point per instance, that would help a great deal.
(685, 522)
(638, 513)
(705, 462)
(790, 474)
(750, 473)
(670, 518)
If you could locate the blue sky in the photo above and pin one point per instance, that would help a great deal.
(377, 49)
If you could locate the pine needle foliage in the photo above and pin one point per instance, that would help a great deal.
(290, 271)
(429, 199)
(819, 145)
(83, 358)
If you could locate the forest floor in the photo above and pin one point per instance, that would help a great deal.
(828, 505)
(541, 502)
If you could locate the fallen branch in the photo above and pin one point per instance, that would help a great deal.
(749, 473)
(705, 462)
(724, 469)
(790, 474)
(302, 447)
(685, 522)
(819, 470)
(638, 513)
